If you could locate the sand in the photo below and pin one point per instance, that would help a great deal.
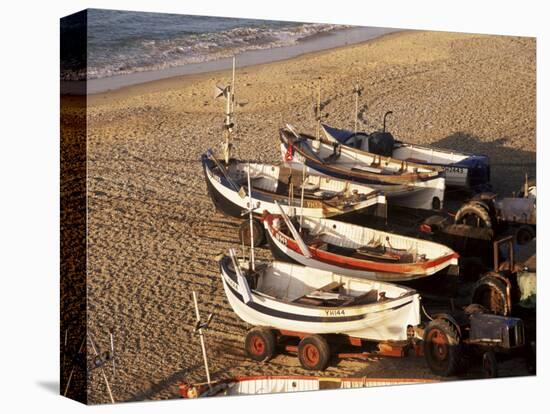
(154, 234)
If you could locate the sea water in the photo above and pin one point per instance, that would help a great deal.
(127, 42)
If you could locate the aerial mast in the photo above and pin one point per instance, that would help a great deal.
(228, 93)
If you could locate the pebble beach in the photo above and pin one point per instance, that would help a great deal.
(154, 235)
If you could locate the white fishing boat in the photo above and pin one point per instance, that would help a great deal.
(296, 298)
(462, 169)
(404, 183)
(354, 250)
(312, 195)
(268, 384)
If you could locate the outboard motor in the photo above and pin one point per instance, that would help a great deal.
(381, 143)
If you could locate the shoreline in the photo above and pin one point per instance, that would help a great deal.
(319, 43)
(169, 83)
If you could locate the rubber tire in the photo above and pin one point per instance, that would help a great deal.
(475, 209)
(490, 293)
(450, 364)
(489, 364)
(259, 233)
(474, 308)
(266, 338)
(319, 345)
(524, 234)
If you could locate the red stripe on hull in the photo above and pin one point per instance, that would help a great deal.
(351, 263)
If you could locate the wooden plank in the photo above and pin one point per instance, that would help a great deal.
(367, 297)
(316, 302)
(331, 286)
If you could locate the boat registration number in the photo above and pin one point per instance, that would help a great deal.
(214, 177)
(280, 238)
(335, 312)
(456, 170)
(232, 283)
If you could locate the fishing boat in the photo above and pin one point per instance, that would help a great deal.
(403, 183)
(353, 250)
(268, 384)
(462, 169)
(291, 297)
(312, 195)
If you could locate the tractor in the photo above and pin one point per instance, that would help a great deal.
(496, 215)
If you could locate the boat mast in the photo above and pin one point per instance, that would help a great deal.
(356, 92)
(229, 94)
(250, 209)
(319, 108)
(302, 197)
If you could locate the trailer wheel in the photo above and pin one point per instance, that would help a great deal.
(257, 228)
(442, 347)
(314, 353)
(490, 293)
(474, 214)
(489, 364)
(260, 344)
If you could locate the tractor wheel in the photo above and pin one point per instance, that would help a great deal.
(474, 214)
(490, 293)
(489, 363)
(257, 228)
(314, 353)
(442, 347)
(260, 344)
(474, 308)
(524, 234)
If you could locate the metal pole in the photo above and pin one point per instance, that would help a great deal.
(229, 107)
(203, 346)
(290, 192)
(302, 197)
(356, 107)
(103, 373)
(319, 109)
(250, 209)
(227, 128)
(72, 370)
(113, 353)
(65, 348)
(233, 88)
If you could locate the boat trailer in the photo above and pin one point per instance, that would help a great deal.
(445, 342)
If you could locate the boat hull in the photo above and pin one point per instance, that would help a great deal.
(268, 384)
(422, 194)
(286, 249)
(470, 172)
(386, 321)
(230, 202)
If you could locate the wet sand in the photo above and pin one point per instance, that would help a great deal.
(153, 231)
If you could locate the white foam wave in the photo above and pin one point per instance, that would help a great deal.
(149, 55)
